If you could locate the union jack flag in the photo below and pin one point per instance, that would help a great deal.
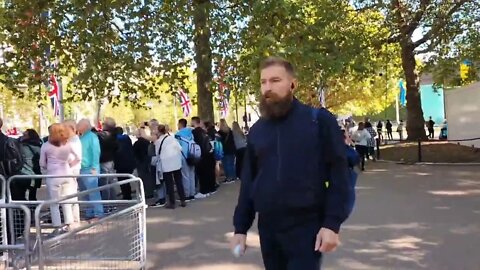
(53, 94)
(224, 104)
(185, 103)
(224, 92)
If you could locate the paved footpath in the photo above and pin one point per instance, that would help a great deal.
(406, 217)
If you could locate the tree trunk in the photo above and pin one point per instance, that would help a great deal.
(415, 120)
(203, 59)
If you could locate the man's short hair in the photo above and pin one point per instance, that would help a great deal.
(109, 122)
(183, 122)
(119, 131)
(196, 120)
(71, 124)
(153, 122)
(278, 61)
(85, 122)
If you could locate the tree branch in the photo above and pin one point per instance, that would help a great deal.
(375, 5)
(393, 39)
(122, 34)
(429, 48)
(439, 23)
(417, 17)
(244, 4)
(362, 9)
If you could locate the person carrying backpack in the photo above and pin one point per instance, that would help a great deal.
(30, 147)
(11, 159)
(108, 149)
(206, 168)
(216, 143)
(191, 155)
(124, 160)
(168, 163)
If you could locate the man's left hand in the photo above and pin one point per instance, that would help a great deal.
(327, 240)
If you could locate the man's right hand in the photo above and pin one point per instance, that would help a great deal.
(239, 239)
(93, 171)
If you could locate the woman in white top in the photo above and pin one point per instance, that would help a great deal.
(169, 164)
(55, 159)
(361, 137)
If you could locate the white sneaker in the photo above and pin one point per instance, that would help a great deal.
(200, 196)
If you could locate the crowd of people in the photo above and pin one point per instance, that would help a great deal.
(187, 161)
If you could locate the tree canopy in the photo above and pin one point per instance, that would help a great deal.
(129, 50)
(342, 57)
(440, 25)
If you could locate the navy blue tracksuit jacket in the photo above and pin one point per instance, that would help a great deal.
(286, 166)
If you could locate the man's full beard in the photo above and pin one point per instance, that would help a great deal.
(277, 107)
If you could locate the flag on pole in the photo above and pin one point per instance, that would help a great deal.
(53, 94)
(464, 69)
(223, 92)
(403, 93)
(185, 103)
(224, 103)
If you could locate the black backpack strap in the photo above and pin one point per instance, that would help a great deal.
(161, 144)
(30, 148)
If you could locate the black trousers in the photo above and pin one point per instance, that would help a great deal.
(389, 134)
(289, 249)
(205, 171)
(239, 160)
(145, 172)
(19, 188)
(362, 150)
(174, 178)
(431, 133)
(126, 188)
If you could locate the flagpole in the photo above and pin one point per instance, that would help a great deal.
(175, 111)
(236, 106)
(397, 110)
(61, 111)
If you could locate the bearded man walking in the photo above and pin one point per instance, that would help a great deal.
(293, 150)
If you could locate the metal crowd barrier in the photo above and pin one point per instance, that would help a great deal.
(3, 183)
(16, 251)
(116, 240)
(3, 223)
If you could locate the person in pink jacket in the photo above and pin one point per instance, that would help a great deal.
(58, 157)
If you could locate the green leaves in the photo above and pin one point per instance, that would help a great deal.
(118, 49)
(93, 45)
(325, 40)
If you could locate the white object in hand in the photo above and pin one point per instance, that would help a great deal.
(237, 251)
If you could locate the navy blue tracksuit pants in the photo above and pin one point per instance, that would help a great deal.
(287, 243)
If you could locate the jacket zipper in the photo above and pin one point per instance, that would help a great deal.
(278, 154)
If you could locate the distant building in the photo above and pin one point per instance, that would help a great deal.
(462, 106)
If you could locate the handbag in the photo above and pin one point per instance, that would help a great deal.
(158, 165)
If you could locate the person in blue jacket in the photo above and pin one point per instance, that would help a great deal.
(184, 135)
(353, 160)
(291, 151)
(124, 160)
(91, 167)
